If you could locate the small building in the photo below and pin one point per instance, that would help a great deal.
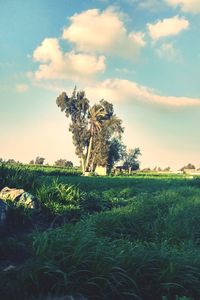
(100, 170)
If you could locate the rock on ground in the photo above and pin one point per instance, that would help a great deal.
(18, 195)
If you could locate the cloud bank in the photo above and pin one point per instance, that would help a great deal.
(121, 90)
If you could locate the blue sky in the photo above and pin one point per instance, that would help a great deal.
(144, 56)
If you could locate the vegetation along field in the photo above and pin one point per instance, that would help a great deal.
(113, 237)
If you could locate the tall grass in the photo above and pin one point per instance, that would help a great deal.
(53, 170)
(16, 176)
(119, 238)
(78, 262)
(125, 253)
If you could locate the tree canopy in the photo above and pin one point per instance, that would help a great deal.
(131, 160)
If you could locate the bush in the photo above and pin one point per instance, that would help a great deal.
(62, 200)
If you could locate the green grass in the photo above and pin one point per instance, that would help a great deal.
(135, 237)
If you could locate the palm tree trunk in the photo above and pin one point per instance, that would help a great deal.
(92, 164)
(89, 153)
(83, 165)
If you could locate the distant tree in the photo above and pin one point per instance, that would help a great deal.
(63, 163)
(69, 164)
(189, 167)
(167, 169)
(146, 170)
(92, 127)
(31, 162)
(39, 160)
(60, 162)
(131, 162)
(11, 161)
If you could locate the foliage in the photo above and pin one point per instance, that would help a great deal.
(39, 160)
(34, 171)
(17, 176)
(110, 256)
(131, 160)
(92, 128)
(167, 169)
(76, 107)
(135, 237)
(188, 166)
(11, 161)
(111, 126)
(117, 152)
(64, 163)
(60, 199)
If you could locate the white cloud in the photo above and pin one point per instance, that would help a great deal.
(167, 27)
(93, 31)
(168, 52)
(120, 90)
(56, 64)
(192, 6)
(21, 88)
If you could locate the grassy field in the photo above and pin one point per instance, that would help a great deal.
(135, 237)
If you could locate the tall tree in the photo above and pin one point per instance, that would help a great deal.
(92, 128)
(110, 126)
(96, 117)
(76, 107)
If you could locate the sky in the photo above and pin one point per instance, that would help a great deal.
(141, 55)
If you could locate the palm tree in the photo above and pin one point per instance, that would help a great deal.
(96, 115)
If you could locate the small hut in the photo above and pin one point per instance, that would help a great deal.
(100, 170)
